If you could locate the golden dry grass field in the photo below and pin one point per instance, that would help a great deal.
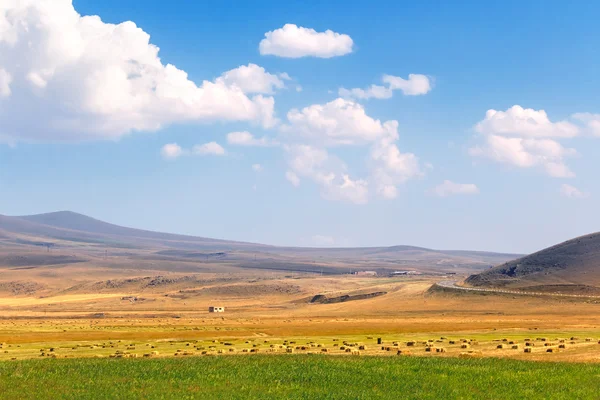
(73, 311)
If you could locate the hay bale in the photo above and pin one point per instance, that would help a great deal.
(452, 342)
(589, 339)
(562, 346)
(528, 350)
(428, 349)
(440, 350)
(289, 350)
(348, 350)
(552, 350)
(324, 350)
(501, 346)
(465, 346)
(355, 352)
(529, 344)
(411, 343)
(515, 347)
(362, 347)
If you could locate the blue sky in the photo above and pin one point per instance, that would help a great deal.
(519, 179)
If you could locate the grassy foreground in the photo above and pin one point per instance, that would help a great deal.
(297, 377)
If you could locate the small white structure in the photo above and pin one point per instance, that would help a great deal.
(365, 273)
(216, 309)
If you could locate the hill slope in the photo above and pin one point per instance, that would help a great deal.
(566, 267)
(67, 230)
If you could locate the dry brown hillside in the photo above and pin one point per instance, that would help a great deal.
(569, 267)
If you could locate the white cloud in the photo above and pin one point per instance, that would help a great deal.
(328, 172)
(252, 78)
(292, 178)
(171, 151)
(526, 138)
(321, 240)
(527, 153)
(75, 78)
(390, 168)
(245, 138)
(572, 192)
(449, 188)
(257, 168)
(413, 86)
(211, 148)
(344, 122)
(339, 122)
(293, 41)
(591, 121)
(525, 122)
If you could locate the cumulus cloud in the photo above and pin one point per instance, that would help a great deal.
(211, 148)
(252, 78)
(390, 168)
(525, 122)
(67, 77)
(245, 138)
(415, 85)
(293, 41)
(171, 151)
(339, 122)
(344, 122)
(572, 192)
(449, 188)
(327, 171)
(526, 138)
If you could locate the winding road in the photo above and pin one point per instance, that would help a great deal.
(454, 285)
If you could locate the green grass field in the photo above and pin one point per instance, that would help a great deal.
(297, 377)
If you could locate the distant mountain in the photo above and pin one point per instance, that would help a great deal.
(572, 266)
(77, 222)
(65, 229)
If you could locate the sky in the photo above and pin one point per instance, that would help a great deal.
(457, 125)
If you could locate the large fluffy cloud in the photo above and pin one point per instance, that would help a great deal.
(295, 41)
(339, 122)
(525, 122)
(526, 138)
(525, 153)
(415, 85)
(64, 76)
(344, 122)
